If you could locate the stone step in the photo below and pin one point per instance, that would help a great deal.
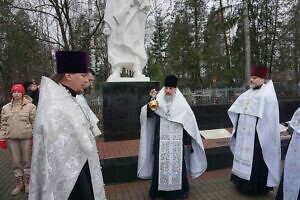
(119, 158)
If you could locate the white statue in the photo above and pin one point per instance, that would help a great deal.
(125, 28)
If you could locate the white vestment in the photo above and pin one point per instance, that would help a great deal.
(291, 180)
(178, 114)
(170, 155)
(262, 104)
(90, 114)
(62, 143)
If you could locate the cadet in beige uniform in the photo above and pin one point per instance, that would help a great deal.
(17, 119)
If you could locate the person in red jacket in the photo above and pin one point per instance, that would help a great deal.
(17, 118)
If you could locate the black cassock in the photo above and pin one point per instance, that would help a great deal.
(259, 173)
(83, 189)
(279, 195)
(153, 192)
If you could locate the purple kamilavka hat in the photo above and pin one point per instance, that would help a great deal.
(72, 62)
(261, 71)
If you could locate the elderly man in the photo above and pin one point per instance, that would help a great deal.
(170, 144)
(255, 143)
(65, 159)
(289, 188)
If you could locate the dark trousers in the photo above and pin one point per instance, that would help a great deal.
(83, 189)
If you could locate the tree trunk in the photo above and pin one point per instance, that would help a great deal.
(273, 38)
(296, 50)
(247, 41)
(225, 36)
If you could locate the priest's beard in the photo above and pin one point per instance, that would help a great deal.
(254, 87)
(169, 97)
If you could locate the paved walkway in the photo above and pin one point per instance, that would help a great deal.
(211, 185)
(128, 148)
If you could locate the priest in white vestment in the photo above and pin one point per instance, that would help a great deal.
(255, 141)
(170, 144)
(65, 161)
(289, 188)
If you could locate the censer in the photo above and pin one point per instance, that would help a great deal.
(153, 104)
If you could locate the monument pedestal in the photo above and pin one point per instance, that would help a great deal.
(122, 102)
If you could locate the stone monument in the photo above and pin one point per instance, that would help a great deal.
(125, 22)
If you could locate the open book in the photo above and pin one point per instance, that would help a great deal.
(215, 134)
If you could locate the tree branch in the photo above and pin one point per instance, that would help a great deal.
(34, 10)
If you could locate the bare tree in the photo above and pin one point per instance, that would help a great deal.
(247, 41)
(59, 19)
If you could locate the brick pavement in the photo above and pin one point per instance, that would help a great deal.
(213, 185)
(127, 148)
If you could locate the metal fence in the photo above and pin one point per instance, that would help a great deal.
(211, 95)
(284, 91)
(229, 94)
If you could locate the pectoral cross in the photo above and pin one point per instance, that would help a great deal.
(168, 114)
(91, 127)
